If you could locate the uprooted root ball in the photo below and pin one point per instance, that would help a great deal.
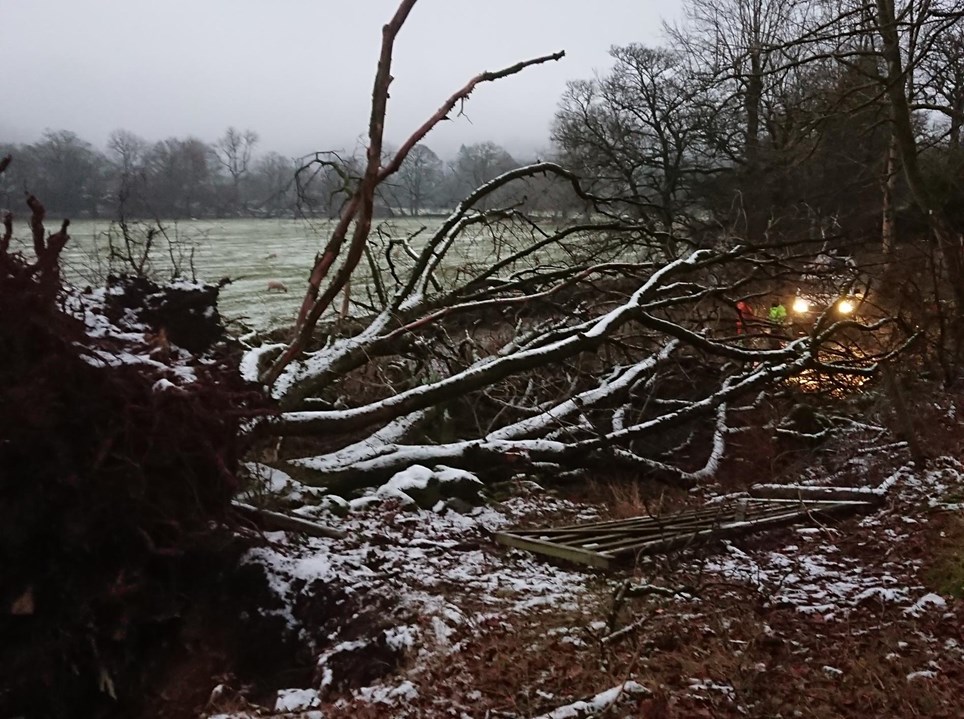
(112, 496)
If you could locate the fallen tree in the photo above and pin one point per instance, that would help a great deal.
(501, 341)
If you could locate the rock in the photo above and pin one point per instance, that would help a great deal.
(417, 484)
(458, 505)
(338, 506)
(460, 484)
(427, 487)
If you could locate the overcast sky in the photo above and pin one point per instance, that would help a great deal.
(299, 72)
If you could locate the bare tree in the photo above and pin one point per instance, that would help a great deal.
(639, 133)
(419, 178)
(68, 173)
(325, 182)
(740, 48)
(233, 151)
(179, 177)
(941, 81)
(129, 151)
(476, 164)
(273, 185)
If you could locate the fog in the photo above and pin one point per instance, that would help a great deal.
(299, 72)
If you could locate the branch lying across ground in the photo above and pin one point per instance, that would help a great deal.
(412, 306)
(369, 462)
(586, 337)
(654, 325)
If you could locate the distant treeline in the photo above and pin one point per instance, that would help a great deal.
(186, 177)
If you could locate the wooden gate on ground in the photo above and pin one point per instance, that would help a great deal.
(608, 544)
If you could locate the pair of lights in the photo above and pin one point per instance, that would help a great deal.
(802, 306)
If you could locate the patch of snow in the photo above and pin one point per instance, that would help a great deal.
(251, 360)
(162, 385)
(281, 485)
(185, 285)
(598, 704)
(360, 504)
(404, 692)
(812, 579)
(921, 605)
(415, 477)
(704, 685)
(402, 637)
(296, 700)
(452, 474)
(416, 565)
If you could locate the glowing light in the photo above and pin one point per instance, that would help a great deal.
(845, 307)
(801, 306)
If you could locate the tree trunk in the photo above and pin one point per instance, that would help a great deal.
(948, 242)
(888, 225)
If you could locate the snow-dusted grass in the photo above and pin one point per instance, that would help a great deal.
(251, 252)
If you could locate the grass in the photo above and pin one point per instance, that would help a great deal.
(946, 572)
(626, 497)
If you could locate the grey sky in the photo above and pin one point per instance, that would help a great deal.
(299, 71)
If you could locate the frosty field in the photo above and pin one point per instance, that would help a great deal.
(250, 252)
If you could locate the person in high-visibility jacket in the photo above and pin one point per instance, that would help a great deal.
(778, 313)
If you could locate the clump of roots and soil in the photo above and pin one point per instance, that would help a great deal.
(119, 453)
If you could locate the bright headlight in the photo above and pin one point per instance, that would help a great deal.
(845, 306)
(801, 306)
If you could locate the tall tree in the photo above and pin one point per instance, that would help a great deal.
(639, 133)
(273, 185)
(419, 178)
(68, 173)
(476, 164)
(233, 151)
(740, 48)
(180, 173)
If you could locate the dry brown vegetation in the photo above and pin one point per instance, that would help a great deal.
(754, 656)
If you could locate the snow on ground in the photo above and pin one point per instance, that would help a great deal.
(129, 342)
(814, 575)
(864, 583)
(415, 588)
(435, 575)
